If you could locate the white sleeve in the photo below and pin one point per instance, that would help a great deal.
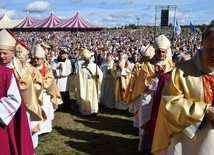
(191, 130)
(154, 84)
(10, 103)
(66, 68)
(53, 65)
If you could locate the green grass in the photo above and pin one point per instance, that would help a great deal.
(110, 132)
(72, 86)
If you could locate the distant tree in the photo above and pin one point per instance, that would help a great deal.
(203, 27)
(131, 26)
(211, 24)
(170, 25)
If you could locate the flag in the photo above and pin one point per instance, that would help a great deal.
(177, 28)
(191, 26)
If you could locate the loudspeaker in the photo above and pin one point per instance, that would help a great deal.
(164, 17)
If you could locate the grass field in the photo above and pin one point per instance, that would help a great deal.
(111, 132)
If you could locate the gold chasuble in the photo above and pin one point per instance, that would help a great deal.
(37, 81)
(135, 73)
(30, 85)
(49, 85)
(143, 76)
(121, 73)
(184, 100)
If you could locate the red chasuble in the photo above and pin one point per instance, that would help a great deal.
(15, 138)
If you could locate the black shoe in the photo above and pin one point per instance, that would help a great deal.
(94, 114)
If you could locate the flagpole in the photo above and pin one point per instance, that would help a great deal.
(155, 21)
(174, 21)
(96, 80)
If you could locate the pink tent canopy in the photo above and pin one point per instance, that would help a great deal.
(77, 22)
(49, 22)
(27, 21)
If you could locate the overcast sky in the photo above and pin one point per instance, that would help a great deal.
(113, 13)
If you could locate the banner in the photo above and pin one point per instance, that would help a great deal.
(191, 26)
(177, 28)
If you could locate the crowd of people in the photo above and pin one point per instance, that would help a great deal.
(165, 80)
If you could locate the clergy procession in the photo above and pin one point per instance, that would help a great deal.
(164, 81)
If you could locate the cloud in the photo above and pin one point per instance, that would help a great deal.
(103, 3)
(92, 14)
(109, 19)
(10, 13)
(3, 5)
(38, 16)
(148, 7)
(181, 15)
(119, 18)
(189, 10)
(122, 3)
(116, 4)
(111, 24)
(146, 15)
(122, 14)
(38, 7)
(149, 22)
(201, 20)
(76, 1)
(210, 12)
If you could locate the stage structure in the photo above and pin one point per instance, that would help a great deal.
(164, 11)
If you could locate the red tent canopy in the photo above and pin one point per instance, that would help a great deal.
(27, 21)
(76, 22)
(49, 22)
